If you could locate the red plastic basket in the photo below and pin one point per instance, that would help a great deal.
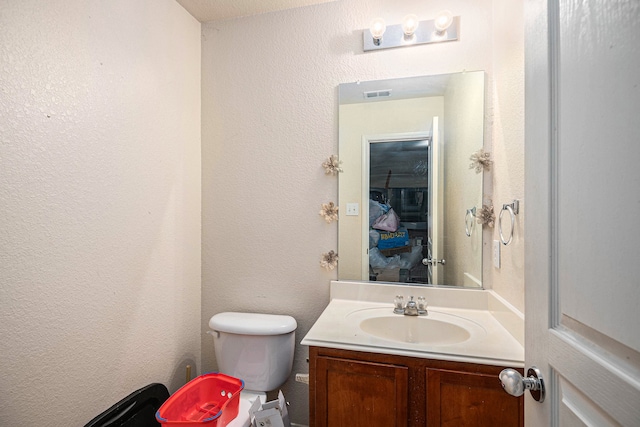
(210, 399)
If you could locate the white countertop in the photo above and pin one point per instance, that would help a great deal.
(481, 313)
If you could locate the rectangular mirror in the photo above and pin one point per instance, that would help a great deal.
(407, 195)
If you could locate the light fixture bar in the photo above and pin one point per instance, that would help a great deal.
(425, 33)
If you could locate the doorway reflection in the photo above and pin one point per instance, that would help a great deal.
(399, 195)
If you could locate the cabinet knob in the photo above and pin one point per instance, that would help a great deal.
(515, 384)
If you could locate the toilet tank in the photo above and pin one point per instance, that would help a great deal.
(257, 348)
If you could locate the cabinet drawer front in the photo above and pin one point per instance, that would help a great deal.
(356, 393)
(468, 399)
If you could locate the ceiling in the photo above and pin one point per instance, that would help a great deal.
(216, 10)
(400, 88)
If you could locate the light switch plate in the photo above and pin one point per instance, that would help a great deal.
(496, 254)
(353, 209)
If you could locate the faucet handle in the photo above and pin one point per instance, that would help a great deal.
(398, 303)
(422, 306)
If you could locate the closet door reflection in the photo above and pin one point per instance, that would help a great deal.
(400, 194)
(435, 237)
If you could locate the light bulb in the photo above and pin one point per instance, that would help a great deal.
(410, 25)
(443, 21)
(377, 29)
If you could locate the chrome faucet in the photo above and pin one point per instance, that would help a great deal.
(411, 308)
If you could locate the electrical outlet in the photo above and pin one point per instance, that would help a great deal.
(353, 209)
(496, 254)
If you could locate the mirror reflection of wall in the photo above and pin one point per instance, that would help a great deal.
(379, 171)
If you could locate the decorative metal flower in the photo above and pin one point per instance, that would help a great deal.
(329, 260)
(485, 216)
(329, 212)
(481, 160)
(332, 165)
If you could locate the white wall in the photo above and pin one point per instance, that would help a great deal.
(99, 204)
(463, 128)
(269, 121)
(507, 128)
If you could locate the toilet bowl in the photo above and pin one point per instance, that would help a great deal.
(256, 348)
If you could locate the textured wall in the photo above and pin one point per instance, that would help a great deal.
(463, 129)
(270, 105)
(507, 127)
(99, 204)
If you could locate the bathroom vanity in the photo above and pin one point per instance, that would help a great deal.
(370, 367)
(373, 389)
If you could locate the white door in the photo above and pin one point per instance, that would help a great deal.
(435, 244)
(582, 210)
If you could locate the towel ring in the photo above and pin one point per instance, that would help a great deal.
(468, 228)
(513, 208)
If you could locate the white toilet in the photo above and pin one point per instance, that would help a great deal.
(256, 348)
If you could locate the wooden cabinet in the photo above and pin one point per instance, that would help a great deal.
(462, 398)
(360, 393)
(350, 388)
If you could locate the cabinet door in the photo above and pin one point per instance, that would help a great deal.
(353, 393)
(460, 399)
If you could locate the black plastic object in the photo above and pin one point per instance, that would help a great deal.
(136, 410)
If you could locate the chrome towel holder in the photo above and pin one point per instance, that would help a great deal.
(513, 208)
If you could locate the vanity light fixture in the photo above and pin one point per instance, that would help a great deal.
(443, 21)
(377, 29)
(411, 31)
(410, 25)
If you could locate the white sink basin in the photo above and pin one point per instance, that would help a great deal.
(413, 329)
(459, 326)
(434, 329)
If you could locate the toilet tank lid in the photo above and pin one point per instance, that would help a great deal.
(252, 323)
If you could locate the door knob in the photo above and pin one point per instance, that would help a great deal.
(515, 384)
